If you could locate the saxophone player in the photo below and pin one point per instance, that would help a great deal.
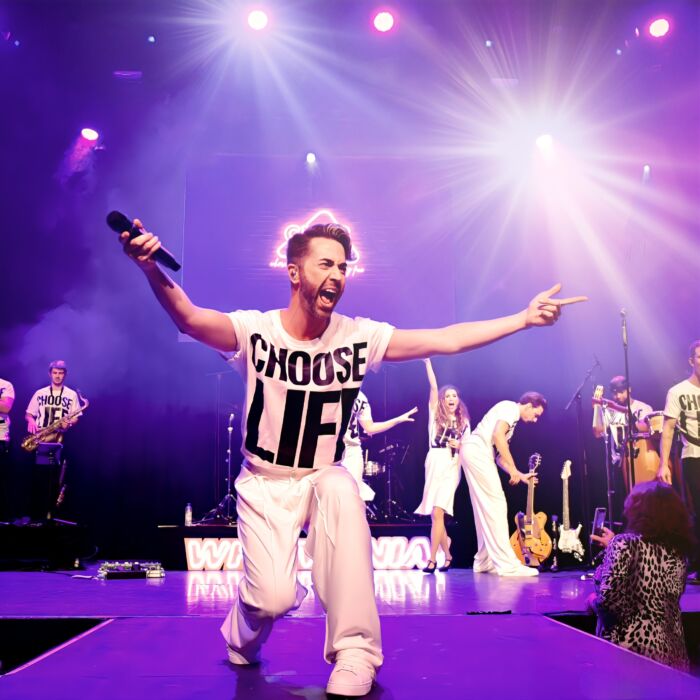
(52, 410)
(53, 403)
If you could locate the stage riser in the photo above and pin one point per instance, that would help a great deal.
(691, 628)
(43, 546)
(23, 640)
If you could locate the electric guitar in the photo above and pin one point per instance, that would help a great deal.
(569, 541)
(530, 542)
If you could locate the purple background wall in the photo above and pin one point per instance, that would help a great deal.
(207, 148)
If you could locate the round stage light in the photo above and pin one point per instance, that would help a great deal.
(545, 143)
(151, 39)
(258, 20)
(89, 134)
(659, 27)
(383, 21)
(310, 158)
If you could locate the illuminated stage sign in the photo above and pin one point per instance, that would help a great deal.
(322, 216)
(213, 554)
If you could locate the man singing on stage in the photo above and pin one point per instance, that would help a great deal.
(303, 367)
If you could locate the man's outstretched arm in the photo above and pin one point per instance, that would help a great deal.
(543, 310)
(210, 327)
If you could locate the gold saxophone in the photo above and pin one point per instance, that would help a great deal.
(52, 433)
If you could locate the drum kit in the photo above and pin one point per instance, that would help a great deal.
(378, 474)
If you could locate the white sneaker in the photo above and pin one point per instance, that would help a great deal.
(351, 678)
(235, 657)
(483, 568)
(520, 571)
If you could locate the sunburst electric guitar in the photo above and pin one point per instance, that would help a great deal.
(530, 541)
(569, 540)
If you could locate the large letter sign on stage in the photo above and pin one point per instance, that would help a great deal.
(214, 554)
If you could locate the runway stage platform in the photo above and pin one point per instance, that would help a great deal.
(452, 635)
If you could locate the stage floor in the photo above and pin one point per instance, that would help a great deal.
(453, 635)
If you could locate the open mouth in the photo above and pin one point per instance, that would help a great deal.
(329, 295)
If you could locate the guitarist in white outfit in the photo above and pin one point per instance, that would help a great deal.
(492, 435)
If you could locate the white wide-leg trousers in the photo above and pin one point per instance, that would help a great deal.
(490, 511)
(271, 513)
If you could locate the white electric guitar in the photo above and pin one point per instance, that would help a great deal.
(569, 540)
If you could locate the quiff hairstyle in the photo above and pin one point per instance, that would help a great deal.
(298, 245)
(534, 398)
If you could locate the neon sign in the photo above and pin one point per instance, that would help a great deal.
(213, 554)
(321, 216)
(397, 586)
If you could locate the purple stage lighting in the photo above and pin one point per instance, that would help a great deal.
(659, 27)
(383, 21)
(310, 158)
(258, 20)
(89, 134)
(151, 39)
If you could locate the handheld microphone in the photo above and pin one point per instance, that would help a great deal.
(453, 433)
(623, 313)
(230, 420)
(119, 222)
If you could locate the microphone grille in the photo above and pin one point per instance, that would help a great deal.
(118, 222)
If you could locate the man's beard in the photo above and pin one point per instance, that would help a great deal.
(310, 297)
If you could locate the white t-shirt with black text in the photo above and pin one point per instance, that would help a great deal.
(48, 405)
(683, 404)
(7, 391)
(361, 410)
(506, 411)
(438, 435)
(300, 393)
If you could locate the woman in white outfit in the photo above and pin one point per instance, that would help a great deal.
(490, 438)
(448, 424)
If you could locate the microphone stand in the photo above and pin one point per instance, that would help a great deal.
(631, 423)
(583, 479)
(226, 509)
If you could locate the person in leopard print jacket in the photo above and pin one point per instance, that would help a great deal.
(643, 574)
